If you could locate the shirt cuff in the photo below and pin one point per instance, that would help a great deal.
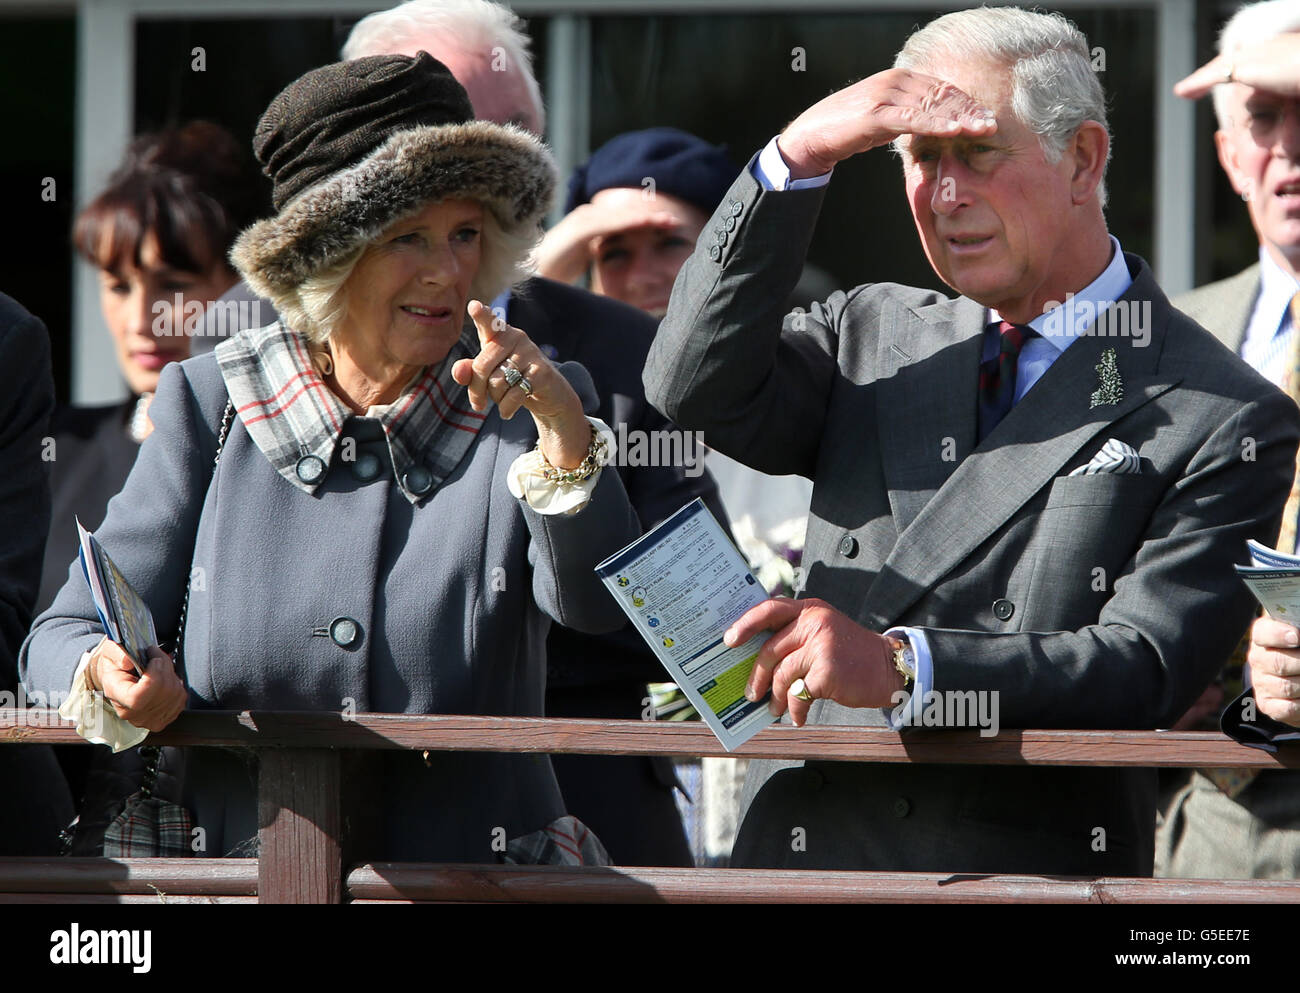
(527, 480)
(908, 712)
(772, 172)
(95, 717)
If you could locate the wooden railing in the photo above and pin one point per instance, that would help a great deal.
(299, 786)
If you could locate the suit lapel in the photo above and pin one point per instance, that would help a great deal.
(928, 362)
(1043, 432)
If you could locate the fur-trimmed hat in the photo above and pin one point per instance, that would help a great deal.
(354, 146)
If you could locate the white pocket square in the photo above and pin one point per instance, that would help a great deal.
(1115, 456)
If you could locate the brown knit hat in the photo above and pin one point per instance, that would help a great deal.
(354, 146)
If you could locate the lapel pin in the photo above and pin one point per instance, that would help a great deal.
(1110, 387)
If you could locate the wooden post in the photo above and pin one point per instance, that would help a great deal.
(299, 859)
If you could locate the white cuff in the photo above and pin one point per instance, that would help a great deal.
(96, 719)
(528, 482)
(772, 172)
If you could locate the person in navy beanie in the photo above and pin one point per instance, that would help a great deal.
(634, 212)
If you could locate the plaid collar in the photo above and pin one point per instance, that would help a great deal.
(296, 420)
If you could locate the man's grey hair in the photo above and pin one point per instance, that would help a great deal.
(1251, 24)
(506, 259)
(472, 25)
(1054, 89)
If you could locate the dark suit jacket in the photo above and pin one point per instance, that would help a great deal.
(37, 803)
(1116, 596)
(95, 455)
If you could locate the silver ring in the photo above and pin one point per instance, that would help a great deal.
(799, 690)
(513, 376)
(525, 385)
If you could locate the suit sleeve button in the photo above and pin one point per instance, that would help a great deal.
(715, 252)
(736, 208)
(1003, 609)
(848, 546)
(731, 224)
(345, 632)
(310, 468)
(902, 807)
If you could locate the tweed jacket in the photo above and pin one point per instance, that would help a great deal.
(353, 596)
(1223, 308)
(1094, 601)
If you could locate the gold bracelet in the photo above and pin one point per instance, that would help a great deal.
(597, 458)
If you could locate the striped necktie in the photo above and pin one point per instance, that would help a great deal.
(998, 376)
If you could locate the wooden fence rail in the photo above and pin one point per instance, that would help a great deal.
(300, 859)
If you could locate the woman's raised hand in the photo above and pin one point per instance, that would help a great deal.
(538, 387)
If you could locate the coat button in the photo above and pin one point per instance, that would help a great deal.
(310, 468)
(736, 208)
(731, 224)
(1003, 609)
(848, 546)
(345, 632)
(902, 807)
(418, 480)
(366, 467)
(720, 236)
(715, 252)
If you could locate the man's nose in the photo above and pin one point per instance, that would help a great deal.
(951, 185)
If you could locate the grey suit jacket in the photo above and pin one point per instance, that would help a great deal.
(1223, 308)
(1116, 596)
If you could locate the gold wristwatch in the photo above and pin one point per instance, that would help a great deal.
(904, 657)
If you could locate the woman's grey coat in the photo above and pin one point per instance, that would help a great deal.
(445, 594)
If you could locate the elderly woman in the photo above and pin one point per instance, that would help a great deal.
(380, 532)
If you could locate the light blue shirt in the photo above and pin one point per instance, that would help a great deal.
(1057, 328)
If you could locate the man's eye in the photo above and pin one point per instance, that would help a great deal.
(1266, 117)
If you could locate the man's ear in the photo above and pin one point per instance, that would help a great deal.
(1088, 150)
(1227, 150)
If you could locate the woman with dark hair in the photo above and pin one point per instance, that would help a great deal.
(158, 234)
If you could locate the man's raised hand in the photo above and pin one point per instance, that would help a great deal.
(873, 112)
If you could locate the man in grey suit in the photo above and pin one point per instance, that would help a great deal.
(1232, 822)
(1036, 491)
